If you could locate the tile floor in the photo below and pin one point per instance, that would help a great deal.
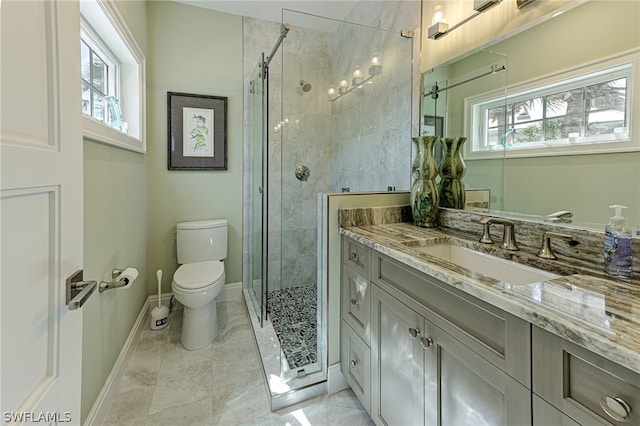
(294, 316)
(222, 384)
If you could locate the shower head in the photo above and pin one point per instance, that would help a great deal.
(306, 87)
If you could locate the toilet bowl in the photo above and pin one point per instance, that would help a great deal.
(201, 247)
(195, 286)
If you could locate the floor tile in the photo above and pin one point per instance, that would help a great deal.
(222, 384)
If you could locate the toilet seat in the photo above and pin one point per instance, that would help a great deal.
(196, 277)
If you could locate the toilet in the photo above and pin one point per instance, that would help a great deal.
(201, 248)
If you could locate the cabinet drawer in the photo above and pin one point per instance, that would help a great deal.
(355, 364)
(545, 414)
(357, 256)
(583, 385)
(356, 302)
(498, 336)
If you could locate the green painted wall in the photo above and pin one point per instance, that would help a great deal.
(115, 236)
(132, 202)
(584, 184)
(192, 50)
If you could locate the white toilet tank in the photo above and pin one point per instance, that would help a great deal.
(201, 241)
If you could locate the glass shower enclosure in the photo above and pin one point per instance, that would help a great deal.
(330, 112)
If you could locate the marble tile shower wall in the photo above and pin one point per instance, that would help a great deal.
(372, 129)
(306, 140)
(363, 143)
(299, 134)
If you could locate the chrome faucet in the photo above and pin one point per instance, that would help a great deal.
(561, 216)
(546, 252)
(508, 232)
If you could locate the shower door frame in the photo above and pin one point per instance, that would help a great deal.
(259, 301)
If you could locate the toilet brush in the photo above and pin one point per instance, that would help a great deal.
(159, 314)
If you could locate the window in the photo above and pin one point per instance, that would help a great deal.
(99, 82)
(584, 111)
(113, 78)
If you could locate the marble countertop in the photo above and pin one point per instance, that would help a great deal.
(582, 306)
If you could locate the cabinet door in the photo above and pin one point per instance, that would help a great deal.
(462, 388)
(397, 391)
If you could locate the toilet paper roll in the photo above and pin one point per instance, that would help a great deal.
(129, 275)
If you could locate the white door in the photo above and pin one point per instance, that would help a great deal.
(41, 210)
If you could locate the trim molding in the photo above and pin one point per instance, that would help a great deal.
(336, 381)
(99, 410)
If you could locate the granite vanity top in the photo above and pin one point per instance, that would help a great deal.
(582, 306)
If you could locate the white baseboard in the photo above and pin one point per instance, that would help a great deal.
(100, 407)
(231, 291)
(335, 379)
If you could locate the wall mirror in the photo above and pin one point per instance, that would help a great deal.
(561, 78)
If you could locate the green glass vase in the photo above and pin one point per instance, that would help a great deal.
(452, 170)
(424, 191)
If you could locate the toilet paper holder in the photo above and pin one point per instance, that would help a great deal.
(120, 280)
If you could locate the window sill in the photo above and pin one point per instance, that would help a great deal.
(610, 146)
(99, 132)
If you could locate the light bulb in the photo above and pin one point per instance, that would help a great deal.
(357, 77)
(376, 66)
(343, 87)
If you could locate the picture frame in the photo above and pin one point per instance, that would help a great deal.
(432, 126)
(197, 132)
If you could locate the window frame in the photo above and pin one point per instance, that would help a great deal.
(108, 26)
(99, 47)
(579, 76)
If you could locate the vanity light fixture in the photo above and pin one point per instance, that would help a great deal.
(357, 81)
(440, 28)
(522, 3)
(436, 30)
(480, 5)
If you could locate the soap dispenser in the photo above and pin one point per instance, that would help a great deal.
(618, 259)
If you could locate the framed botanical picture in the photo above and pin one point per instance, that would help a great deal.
(432, 126)
(197, 132)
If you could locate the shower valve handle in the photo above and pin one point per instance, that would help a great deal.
(302, 173)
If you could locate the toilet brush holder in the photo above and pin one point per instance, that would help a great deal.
(159, 314)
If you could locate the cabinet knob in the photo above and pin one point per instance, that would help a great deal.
(355, 301)
(426, 342)
(616, 408)
(354, 362)
(414, 332)
(354, 255)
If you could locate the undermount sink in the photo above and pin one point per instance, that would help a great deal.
(486, 264)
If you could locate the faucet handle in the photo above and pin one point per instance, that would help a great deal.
(545, 251)
(486, 223)
(509, 237)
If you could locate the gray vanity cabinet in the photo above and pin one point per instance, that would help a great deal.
(355, 302)
(587, 388)
(424, 376)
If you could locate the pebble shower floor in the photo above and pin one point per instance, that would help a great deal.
(293, 314)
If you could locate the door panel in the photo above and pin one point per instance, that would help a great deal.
(41, 207)
(397, 362)
(466, 389)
